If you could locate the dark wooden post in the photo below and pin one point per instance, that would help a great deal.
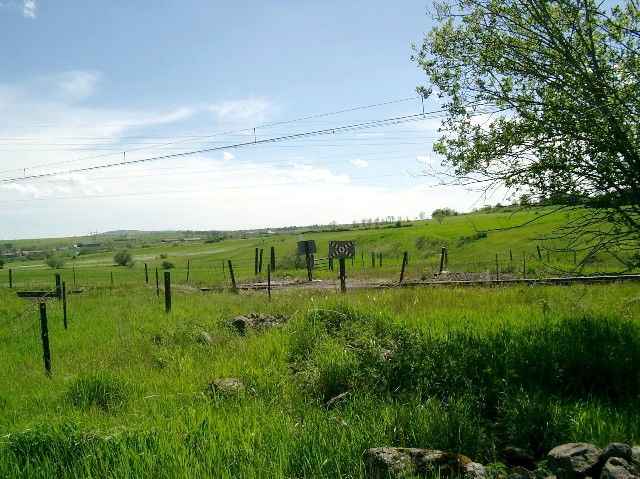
(373, 259)
(442, 259)
(574, 259)
(111, 278)
(157, 282)
(497, 269)
(255, 263)
(404, 263)
(188, 269)
(308, 258)
(260, 261)
(44, 333)
(362, 255)
(146, 273)
(343, 276)
(539, 254)
(11, 278)
(548, 260)
(273, 258)
(74, 275)
(233, 278)
(58, 286)
(269, 283)
(64, 304)
(380, 256)
(524, 265)
(167, 291)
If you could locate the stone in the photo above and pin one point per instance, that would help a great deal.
(616, 449)
(206, 338)
(402, 462)
(475, 470)
(258, 322)
(617, 468)
(574, 460)
(517, 457)
(226, 386)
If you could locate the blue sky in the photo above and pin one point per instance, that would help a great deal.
(128, 115)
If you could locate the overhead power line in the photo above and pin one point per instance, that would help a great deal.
(255, 142)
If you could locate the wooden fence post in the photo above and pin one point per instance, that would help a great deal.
(157, 282)
(273, 258)
(167, 291)
(10, 278)
(44, 334)
(404, 263)
(64, 304)
(373, 259)
(539, 254)
(524, 265)
(307, 256)
(380, 256)
(188, 268)
(343, 276)
(58, 286)
(233, 278)
(497, 269)
(74, 274)
(269, 283)
(442, 259)
(260, 261)
(146, 273)
(255, 263)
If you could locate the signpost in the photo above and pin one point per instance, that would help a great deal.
(342, 250)
(307, 248)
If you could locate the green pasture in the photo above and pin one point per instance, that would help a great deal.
(468, 370)
(481, 242)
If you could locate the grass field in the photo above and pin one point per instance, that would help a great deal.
(475, 243)
(465, 369)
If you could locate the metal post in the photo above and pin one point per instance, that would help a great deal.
(343, 276)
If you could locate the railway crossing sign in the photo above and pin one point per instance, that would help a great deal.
(342, 249)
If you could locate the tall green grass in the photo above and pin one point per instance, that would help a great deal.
(460, 369)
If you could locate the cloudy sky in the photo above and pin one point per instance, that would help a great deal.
(200, 114)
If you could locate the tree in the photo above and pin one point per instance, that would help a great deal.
(543, 98)
(123, 257)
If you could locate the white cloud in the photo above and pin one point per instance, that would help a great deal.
(29, 9)
(77, 84)
(228, 156)
(251, 110)
(307, 173)
(360, 163)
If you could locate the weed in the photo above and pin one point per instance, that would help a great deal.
(99, 390)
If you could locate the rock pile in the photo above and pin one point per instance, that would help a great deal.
(258, 322)
(569, 461)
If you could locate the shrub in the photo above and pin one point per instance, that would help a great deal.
(55, 262)
(123, 257)
(167, 265)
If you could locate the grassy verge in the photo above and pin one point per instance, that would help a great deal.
(467, 370)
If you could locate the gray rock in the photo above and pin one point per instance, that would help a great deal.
(617, 468)
(475, 470)
(401, 462)
(616, 449)
(574, 460)
(225, 386)
(517, 457)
